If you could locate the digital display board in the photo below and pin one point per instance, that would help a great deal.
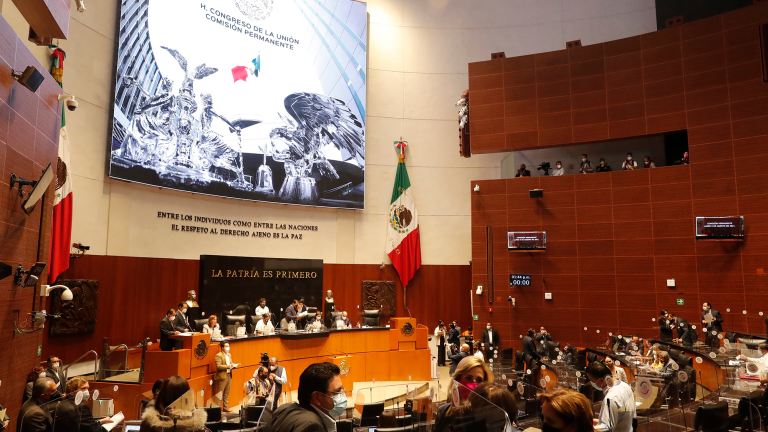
(719, 228)
(260, 100)
(527, 241)
(519, 280)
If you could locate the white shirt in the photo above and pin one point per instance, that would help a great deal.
(282, 379)
(490, 335)
(265, 328)
(207, 329)
(558, 171)
(762, 360)
(259, 311)
(328, 422)
(622, 409)
(479, 354)
(228, 358)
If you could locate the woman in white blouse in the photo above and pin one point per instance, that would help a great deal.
(212, 325)
(479, 351)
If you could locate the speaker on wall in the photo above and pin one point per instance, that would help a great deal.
(536, 193)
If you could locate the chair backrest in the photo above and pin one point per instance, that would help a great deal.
(199, 323)
(684, 360)
(730, 335)
(591, 357)
(372, 410)
(664, 347)
(552, 349)
(580, 360)
(253, 412)
(674, 353)
(371, 318)
(213, 413)
(614, 339)
(712, 417)
(230, 321)
(751, 343)
(311, 311)
(254, 320)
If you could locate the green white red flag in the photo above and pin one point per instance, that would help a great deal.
(403, 242)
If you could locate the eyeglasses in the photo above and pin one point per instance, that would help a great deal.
(341, 391)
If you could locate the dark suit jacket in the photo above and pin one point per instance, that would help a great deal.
(526, 173)
(294, 418)
(685, 332)
(717, 323)
(487, 341)
(181, 324)
(58, 378)
(455, 359)
(665, 330)
(166, 329)
(290, 314)
(529, 347)
(33, 418)
(74, 418)
(454, 337)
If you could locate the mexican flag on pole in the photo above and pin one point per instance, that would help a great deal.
(403, 243)
(61, 231)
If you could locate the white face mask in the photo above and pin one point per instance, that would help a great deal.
(629, 158)
(488, 327)
(273, 367)
(55, 366)
(558, 166)
(184, 311)
(86, 395)
(42, 374)
(705, 308)
(583, 159)
(226, 349)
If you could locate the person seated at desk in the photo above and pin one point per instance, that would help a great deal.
(344, 320)
(262, 308)
(763, 360)
(542, 337)
(669, 367)
(79, 415)
(181, 323)
(685, 334)
(322, 400)
(456, 358)
(566, 410)
(212, 326)
(616, 372)
(618, 408)
(264, 326)
(568, 354)
(317, 321)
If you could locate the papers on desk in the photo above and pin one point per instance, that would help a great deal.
(116, 420)
(186, 334)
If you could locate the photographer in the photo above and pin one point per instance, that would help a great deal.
(586, 165)
(629, 164)
(559, 170)
(603, 167)
(522, 172)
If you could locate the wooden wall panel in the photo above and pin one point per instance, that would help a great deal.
(135, 293)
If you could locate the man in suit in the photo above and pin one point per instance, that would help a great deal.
(291, 312)
(321, 402)
(669, 372)
(665, 326)
(34, 417)
(277, 375)
(181, 323)
(456, 358)
(54, 372)
(166, 329)
(490, 340)
(529, 345)
(715, 325)
(343, 318)
(542, 337)
(686, 336)
(522, 172)
(222, 379)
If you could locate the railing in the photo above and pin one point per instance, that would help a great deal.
(95, 364)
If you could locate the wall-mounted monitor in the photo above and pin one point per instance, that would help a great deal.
(527, 241)
(720, 228)
(519, 280)
(255, 100)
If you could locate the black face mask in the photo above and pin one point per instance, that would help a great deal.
(548, 428)
(55, 396)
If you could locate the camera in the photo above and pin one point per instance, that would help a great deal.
(81, 247)
(70, 101)
(544, 166)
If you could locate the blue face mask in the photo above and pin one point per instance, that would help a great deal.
(339, 405)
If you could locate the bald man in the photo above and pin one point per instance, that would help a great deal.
(455, 359)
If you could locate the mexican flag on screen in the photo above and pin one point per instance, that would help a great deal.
(61, 230)
(403, 243)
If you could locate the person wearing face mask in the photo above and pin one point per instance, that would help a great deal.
(566, 411)
(78, 417)
(264, 326)
(666, 326)
(648, 163)
(55, 373)
(440, 339)
(161, 416)
(34, 374)
(586, 165)
(686, 336)
(470, 372)
(262, 308)
(34, 415)
(602, 166)
(454, 337)
(543, 338)
(763, 348)
(263, 384)
(618, 408)
(181, 323)
(322, 399)
(457, 358)
(212, 326)
(629, 164)
(278, 376)
(559, 170)
(222, 379)
(684, 160)
(617, 373)
(166, 329)
(490, 340)
(712, 321)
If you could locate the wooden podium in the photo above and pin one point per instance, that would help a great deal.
(352, 368)
(198, 362)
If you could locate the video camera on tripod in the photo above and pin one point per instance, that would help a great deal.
(544, 166)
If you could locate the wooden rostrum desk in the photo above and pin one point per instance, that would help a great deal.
(365, 354)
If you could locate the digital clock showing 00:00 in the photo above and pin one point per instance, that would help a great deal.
(519, 280)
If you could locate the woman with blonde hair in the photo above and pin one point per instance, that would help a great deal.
(470, 372)
(212, 325)
(566, 411)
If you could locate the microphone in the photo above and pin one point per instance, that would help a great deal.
(341, 352)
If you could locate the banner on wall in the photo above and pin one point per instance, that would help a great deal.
(261, 100)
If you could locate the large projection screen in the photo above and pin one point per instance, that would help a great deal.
(260, 100)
